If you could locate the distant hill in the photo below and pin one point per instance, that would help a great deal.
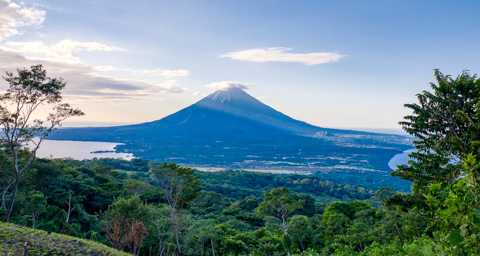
(231, 129)
(18, 241)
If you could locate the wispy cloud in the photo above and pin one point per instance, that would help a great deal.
(279, 54)
(83, 80)
(63, 59)
(62, 51)
(199, 94)
(225, 85)
(166, 72)
(13, 16)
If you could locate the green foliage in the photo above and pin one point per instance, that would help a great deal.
(446, 125)
(28, 91)
(280, 203)
(240, 184)
(120, 217)
(180, 184)
(456, 210)
(216, 222)
(301, 232)
(35, 206)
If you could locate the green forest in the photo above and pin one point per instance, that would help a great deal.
(149, 208)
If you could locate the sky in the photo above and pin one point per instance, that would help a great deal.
(340, 64)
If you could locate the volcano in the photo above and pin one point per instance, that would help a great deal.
(231, 129)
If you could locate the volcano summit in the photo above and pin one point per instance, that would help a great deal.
(231, 129)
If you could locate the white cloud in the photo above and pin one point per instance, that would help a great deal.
(13, 16)
(225, 85)
(171, 86)
(279, 54)
(83, 80)
(105, 68)
(199, 94)
(62, 51)
(166, 72)
(61, 59)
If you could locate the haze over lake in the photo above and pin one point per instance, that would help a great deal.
(80, 150)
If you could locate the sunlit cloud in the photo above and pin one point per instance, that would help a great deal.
(171, 86)
(279, 54)
(62, 51)
(85, 83)
(105, 68)
(111, 100)
(225, 85)
(166, 72)
(13, 16)
(199, 94)
(83, 80)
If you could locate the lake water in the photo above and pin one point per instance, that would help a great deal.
(399, 159)
(79, 150)
(84, 150)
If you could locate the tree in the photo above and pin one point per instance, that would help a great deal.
(123, 221)
(455, 210)
(280, 203)
(35, 206)
(27, 92)
(301, 231)
(161, 221)
(446, 125)
(180, 186)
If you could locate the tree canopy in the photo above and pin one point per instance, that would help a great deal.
(445, 122)
(27, 92)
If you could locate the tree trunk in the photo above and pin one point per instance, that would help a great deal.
(4, 194)
(175, 228)
(69, 202)
(285, 231)
(301, 244)
(14, 194)
(284, 226)
(213, 249)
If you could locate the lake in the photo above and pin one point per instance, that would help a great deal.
(399, 159)
(79, 150)
(84, 150)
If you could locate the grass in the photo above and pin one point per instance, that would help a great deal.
(14, 240)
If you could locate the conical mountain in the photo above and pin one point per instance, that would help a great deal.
(229, 128)
(224, 113)
(231, 110)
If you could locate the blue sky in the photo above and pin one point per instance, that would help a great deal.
(329, 63)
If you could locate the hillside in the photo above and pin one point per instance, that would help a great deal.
(15, 239)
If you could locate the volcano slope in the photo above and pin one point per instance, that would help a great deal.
(231, 129)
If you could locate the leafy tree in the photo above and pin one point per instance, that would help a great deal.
(456, 210)
(36, 204)
(161, 225)
(181, 186)
(69, 191)
(28, 91)
(446, 125)
(301, 231)
(121, 217)
(280, 203)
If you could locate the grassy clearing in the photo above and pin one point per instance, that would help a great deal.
(15, 239)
